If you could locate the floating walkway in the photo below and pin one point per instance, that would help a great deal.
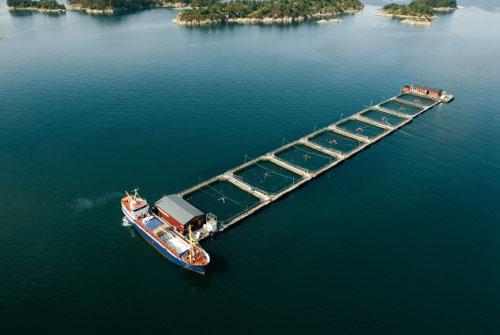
(245, 189)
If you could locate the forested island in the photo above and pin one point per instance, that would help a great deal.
(41, 6)
(207, 12)
(118, 6)
(418, 12)
(204, 12)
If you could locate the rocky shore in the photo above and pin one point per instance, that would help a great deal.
(318, 17)
(443, 9)
(113, 10)
(329, 21)
(408, 17)
(241, 20)
(412, 20)
(107, 11)
(36, 9)
(417, 22)
(173, 5)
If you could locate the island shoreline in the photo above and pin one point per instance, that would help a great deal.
(316, 17)
(34, 9)
(113, 11)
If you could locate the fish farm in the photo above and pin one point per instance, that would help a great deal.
(241, 191)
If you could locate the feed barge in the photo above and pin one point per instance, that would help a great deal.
(165, 238)
(174, 224)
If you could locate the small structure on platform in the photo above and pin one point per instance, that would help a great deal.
(180, 213)
(434, 93)
(423, 90)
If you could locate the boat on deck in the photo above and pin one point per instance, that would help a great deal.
(163, 236)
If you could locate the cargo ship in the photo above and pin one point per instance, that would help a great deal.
(165, 237)
(429, 92)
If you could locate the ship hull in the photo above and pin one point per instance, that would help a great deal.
(166, 253)
(128, 216)
(160, 248)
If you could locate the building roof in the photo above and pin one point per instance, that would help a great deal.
(427, 88)
(175, 206)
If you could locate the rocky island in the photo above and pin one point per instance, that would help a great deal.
(418, 12)
(48, 6)
(210, 12)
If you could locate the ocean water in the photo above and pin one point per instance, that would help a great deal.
(403, 238)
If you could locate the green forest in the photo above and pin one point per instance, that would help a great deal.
(115, 4)
(42, 4)
(437, 3)
(223, 11)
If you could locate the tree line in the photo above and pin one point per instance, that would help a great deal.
(41, 4)
(103, 4)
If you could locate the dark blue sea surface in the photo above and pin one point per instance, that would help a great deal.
(401, 239)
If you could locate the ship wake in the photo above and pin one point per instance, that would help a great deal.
(82, 204)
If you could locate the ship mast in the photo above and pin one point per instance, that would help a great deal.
(191, 245)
